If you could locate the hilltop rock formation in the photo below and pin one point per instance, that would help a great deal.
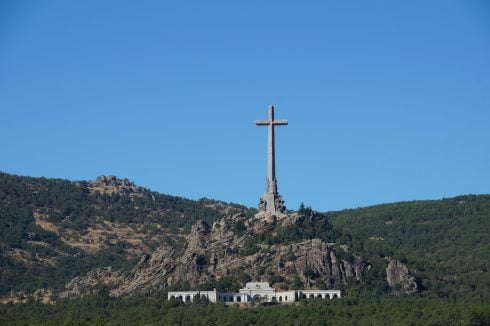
(111, 184)
(210, 253)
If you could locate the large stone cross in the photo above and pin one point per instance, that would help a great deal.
(271, 202)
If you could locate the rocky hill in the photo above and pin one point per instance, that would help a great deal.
(68, 239)
(53, 230)
(211, 254)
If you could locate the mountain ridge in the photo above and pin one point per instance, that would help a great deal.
(72, 238)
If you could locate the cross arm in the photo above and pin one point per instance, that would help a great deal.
(280, 122)
(262, 122)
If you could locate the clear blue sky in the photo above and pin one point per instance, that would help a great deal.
(386, 100)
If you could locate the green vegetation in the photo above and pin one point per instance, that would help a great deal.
(444, 243)
(76, 207)
(18, 232)
(156, 310)
(313, 227)
(45, 261)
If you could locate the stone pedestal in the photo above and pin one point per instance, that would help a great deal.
(272, 203)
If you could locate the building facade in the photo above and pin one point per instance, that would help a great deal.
(254, 292)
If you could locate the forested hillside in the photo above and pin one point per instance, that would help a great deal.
(445, 243)
(156, 310)
(52, 230)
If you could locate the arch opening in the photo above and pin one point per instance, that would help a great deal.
(257, 298)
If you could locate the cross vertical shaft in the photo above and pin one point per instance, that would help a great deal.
(271, 201)
(271, 152)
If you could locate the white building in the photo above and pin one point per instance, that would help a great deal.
(255, 292)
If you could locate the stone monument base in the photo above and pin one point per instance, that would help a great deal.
(272, 203)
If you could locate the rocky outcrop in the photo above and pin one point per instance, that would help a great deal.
(312, 261)
(213, 252)
(150, 273)
(92, 282)
(262, 223)
(399, 278)
(111, 184)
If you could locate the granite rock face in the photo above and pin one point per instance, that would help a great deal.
(212, 252)
(111, 184)
(399, 278)
(92, 282)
